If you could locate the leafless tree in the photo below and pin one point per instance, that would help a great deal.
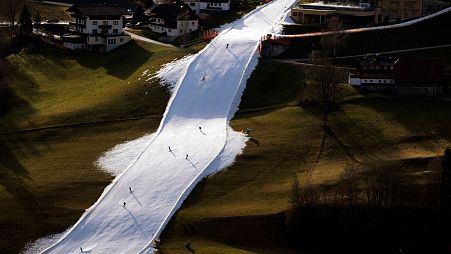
(336, 39)
(326, 84)
(12, 11)
(302, 196)
(352, 184)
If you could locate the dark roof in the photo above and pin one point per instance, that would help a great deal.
(97, 10)
(173, 12)
(214, 1)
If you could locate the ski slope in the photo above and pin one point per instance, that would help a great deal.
(205, 97)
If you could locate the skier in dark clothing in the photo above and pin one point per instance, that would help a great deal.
(200, 128)
(169, 149)
(227, 46)
(130, 188)
(124, 204)
(81, 250)
(186, 157)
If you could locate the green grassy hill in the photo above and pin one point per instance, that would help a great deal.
(241, 210)
(47, 176)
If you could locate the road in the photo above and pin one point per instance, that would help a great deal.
(161, 177)
(142, 38)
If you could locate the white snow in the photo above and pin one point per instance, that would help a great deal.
(116, 160)
(162, 179)
(171, 73)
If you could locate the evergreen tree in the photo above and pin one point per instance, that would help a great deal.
(26, 26)
(139, 13)
(148, 3)
(37, 18)
(446, 180)
(446, 162)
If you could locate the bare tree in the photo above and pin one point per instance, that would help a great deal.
(352, 185)
(336, 39)
(12, 9)
(302, 196)
(326, 84)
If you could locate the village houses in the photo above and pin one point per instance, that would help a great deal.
(97, 28)
(173, 19)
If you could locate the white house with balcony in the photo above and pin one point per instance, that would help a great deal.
(99, 26)
(208, 6)
(173, 19)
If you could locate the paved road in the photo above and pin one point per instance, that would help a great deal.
(142, 38)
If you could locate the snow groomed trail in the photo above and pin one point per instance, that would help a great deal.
(206, 97)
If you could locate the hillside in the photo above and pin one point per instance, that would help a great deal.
(48, 175)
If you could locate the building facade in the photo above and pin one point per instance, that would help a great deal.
(208, 6)
(401, 76)
(173, 19)
(318, 13)
(400, 9)
(101, 26)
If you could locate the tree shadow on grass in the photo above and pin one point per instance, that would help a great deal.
(115, 62)
(424, 115)
(12, 176)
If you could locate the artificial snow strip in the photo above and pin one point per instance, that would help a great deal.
(192, 142)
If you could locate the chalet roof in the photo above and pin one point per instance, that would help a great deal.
(170, 13)
(97, 10)
(206, 1)
(214, 1)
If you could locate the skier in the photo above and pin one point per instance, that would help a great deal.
(186, 157)
(227, 46)
(200, 128)
(130, 188)
(203, 78)
(124, 204)
(81, 249)
(169, 149)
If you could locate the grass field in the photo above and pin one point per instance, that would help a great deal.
(54, 87)
(48, 177)
(240, 210)
(46, 11)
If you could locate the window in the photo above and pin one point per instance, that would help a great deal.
(115, 22)
(94, 22)
(169, 30)
(105, 22)
(94, 31)
(115, 31)
(121, 39)
(192, 4)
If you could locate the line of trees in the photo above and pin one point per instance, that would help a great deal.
(377, 208)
